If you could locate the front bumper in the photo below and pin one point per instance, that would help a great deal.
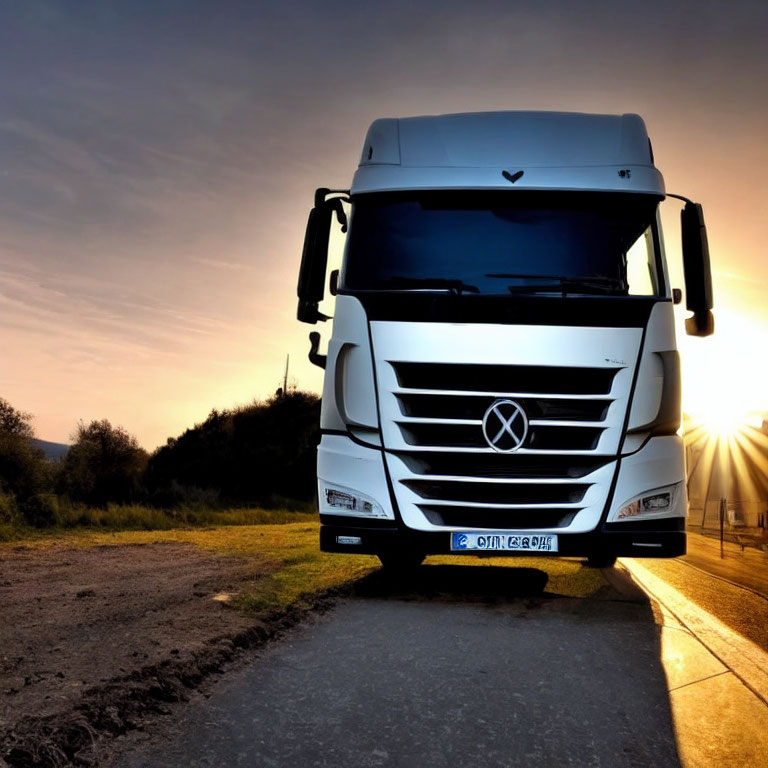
(652, 538)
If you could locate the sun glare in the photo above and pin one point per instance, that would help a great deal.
(724, 420)
(724, 375)
(726, 457)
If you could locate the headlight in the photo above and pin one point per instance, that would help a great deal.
(338, 500)
(651, 502)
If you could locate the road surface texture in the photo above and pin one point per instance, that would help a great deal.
(460, 666)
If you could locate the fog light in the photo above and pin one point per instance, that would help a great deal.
(342, 500)
(338, 500)
(658, 500)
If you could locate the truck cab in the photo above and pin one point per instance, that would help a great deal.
(502, 375)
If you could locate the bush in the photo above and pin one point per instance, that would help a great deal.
(23, 468)
(105, 464)
(190, 496)
(9, 514)
(42, 510)
(248, 455)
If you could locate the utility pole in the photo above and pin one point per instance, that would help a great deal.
(285, 376)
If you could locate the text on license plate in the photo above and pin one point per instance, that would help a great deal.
(503, 541)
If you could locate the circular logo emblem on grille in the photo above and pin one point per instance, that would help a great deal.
(505, 426)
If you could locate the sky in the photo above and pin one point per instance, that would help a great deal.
(158, 160)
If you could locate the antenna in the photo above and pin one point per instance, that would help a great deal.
(285, 377)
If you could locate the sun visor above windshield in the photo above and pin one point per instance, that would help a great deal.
(467, 151)
(391, 178)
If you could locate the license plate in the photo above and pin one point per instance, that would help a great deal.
(503, 541)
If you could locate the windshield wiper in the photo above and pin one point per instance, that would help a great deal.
(601, 284)
(566, 283)
(426, 283)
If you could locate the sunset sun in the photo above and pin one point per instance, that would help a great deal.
(720, 396)
(724, 419)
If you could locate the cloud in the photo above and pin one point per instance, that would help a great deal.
(65, 310)
(221, 264)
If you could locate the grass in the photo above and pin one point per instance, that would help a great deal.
(9, 532)
(122, 517)
(136, 516)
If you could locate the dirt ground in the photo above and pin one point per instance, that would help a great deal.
(94, 641)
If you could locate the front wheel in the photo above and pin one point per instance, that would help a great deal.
(601, 560)
(400, 562)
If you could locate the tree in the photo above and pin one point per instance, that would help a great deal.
(251, 454)
(23, 469)
(13, 422)
(104, 464)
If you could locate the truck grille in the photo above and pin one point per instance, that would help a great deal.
(499, 493)
(498, 519)
(505, 378)
(443, 466)
(473, 407)
(471, 436)
(499, 465)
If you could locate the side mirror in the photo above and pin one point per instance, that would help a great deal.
(314, 259)
(698, 275)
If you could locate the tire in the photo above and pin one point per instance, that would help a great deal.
(400, 562)
(601, 560)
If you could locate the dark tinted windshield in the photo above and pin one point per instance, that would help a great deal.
(494, 242)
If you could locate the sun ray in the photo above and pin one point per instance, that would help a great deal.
(727, 457)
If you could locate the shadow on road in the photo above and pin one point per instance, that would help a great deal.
(486, 584)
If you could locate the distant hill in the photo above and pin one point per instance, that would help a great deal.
(52, 451)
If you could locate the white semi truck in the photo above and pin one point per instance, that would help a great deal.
(502, 375)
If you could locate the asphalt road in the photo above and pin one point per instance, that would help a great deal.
(480, 665)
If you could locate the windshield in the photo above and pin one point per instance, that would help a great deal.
(502, 242)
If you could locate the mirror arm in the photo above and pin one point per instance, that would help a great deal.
(321, 193)
(335, 203)
(314, 357)
(680, 197)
